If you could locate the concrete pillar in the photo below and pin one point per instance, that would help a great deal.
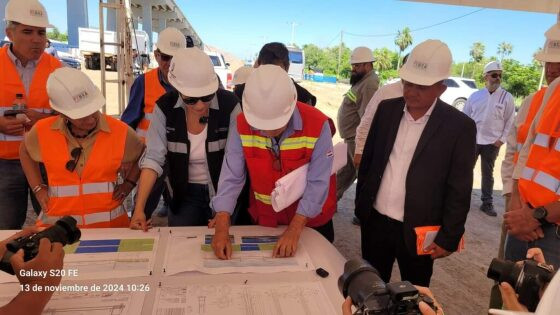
(3, 4)
(111, 18)
(147, 21)
(77, 15)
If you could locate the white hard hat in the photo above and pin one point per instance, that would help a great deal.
(170, 40)
(492, 66)
(429, 62)
(269, 98)
(27, 12)
(72, 93)
(240, 75)
(361, 55)
(551, 50)
(191, 72)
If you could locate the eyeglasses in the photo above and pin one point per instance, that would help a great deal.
(76, 153)
(496, 75)
(194, 100)
(163, 56)
(276, 162)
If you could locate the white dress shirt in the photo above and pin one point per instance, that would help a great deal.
(388, 91)
(392, 191)
(492, 113)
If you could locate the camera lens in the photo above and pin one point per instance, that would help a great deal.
(504, 271)
(362, 283)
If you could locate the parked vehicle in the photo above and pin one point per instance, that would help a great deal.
(297, 63)
(89, 47)
(71, 62)
(458, 91)
(221, 67)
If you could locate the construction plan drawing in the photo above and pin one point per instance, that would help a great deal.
(250, 254)
(306, 298)
(109, 257)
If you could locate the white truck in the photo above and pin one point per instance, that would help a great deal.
(221, 68)
(89, 47)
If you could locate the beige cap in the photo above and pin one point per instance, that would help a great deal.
(361, 55)
(551, 50)
(27, 12)
(191, 72)
(269, 98)
(429, 62)
(240, 75)
(72, 93)
(170, 40)
(492, 66)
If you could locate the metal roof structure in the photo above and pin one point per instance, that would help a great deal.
(542, 6)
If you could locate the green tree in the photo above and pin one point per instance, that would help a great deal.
(313, 57)
(520, 80)
(477, 54)
(403, 40)
(55, 34)
(504, 49)
(383, 59)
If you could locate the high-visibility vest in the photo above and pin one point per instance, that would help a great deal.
(295, 151)
(153, 90)
(539, 183)
(523, 129)
(87, 198)
(37, 99)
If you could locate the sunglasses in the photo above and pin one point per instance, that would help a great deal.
(76, 153)
(163, 56)
(496, 75)
(194, 100)
(276, 162)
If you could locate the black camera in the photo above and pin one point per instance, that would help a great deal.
(63, 231)
(371, 295)
(527, 278)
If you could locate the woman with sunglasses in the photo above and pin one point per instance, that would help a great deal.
(188, 131)
(91, 159)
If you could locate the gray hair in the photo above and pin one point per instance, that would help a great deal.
(11, 24)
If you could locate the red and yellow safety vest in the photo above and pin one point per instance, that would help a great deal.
(539, 183)
(295, 151)
(37, 99)
(87, 198)
(153, 90)
(523, 129)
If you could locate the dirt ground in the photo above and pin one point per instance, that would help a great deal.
(459, 281)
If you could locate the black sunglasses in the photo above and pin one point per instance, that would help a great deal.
(163, 56)
(76, 153)
(496, 75)
(194, 100)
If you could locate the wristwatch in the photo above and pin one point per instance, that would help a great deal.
(540, 215)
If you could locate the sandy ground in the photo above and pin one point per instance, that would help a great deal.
(459, 281)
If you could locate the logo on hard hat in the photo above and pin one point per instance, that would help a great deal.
(35, 12)
(420, 65)
(175, 44)
(80, 96)
(554, 44)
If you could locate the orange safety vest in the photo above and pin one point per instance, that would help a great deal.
(539, 183)
(523, 129)
(37, 99)
(87, 198)
(295, 151)
(153, 90)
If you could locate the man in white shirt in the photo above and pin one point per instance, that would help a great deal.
(416, 171)
(492, 109)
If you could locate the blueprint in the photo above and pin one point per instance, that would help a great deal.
(306, 298)
(250, 253)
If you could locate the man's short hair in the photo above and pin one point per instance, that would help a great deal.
(274, 53)
(11, 24)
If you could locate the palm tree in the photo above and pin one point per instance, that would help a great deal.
(477, 54)
(504, 49)
(383, 58)
(403, 40)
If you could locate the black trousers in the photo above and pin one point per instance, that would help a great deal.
(383, 242)
(327, 230)
(488, 154)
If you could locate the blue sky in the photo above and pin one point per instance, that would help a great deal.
(241, 27)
